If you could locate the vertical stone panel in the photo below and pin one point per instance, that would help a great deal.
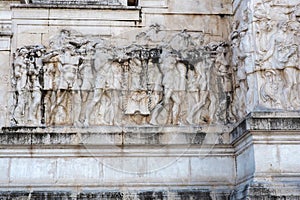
(245, 164)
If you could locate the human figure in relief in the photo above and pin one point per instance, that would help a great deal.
(154, 82)
(269, 91)
(69, 82)
(84, 82)
(283, 55)
(238, 65)
(20, 74)
(117, 92)
(103, 59)
(171, 84)
(245, 45)
(225, 73)
(202, 69)
(34, 74)
(51, 74)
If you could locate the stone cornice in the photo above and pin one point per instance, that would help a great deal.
(267, 121)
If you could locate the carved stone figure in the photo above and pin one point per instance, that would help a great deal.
(117, 90)
(151, 37)
(51, 74)
(172, 90)
(225, 73)
(266, 30)
(154, 78)
(34, 73)
(270, 90)
(197, 86)
(69, 82)
(240, 84)
(181, 40)
(85, 81)
(262, 9)
(103, 60)
(245, 46)
(20, 75)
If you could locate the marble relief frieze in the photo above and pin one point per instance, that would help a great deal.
(265, 56)
(82, 81)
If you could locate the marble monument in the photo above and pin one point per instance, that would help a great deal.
(149, 99)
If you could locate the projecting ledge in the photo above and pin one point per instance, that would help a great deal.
(267, 122)
(110, 135)
(76, 6)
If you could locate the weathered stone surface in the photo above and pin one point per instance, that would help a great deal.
(268, 121)
(116, 195)
(166, 99)
(267, 191)
(269, 142)
(110, 135)
(140, 83)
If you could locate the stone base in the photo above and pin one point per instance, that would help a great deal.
(260, 162)
(267, 146)
(145, 162)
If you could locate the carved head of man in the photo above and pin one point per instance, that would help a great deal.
(141, 38)
(220, 49)
(170, 58)
(135, 54)
(40, 51)
(245, 15)
(22, 51)
(155, 53)
(235, 42)
(269, 25)
(294, 26)
(109, 53)
(145, 54)
(282, 26)
(68, 49)
(65, 33)
(155, 27)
